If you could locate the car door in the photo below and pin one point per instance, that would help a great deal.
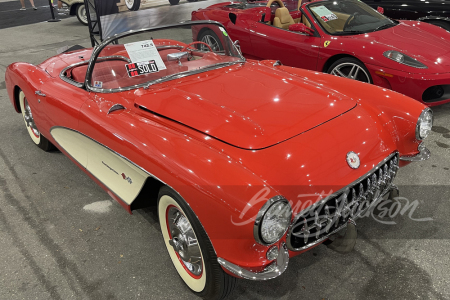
(291, 48)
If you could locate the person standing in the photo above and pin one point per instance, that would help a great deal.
(23, 4)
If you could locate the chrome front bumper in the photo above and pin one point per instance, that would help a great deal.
(423, 154)
(271, 271)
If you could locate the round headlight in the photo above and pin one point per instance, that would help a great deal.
(272, 221)
(424, 124)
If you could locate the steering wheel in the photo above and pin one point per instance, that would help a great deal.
(194, 43)
(349, 20)
(280, 3)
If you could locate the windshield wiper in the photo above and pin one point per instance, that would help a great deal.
(384, 26)
(353, 31)
(191, 72)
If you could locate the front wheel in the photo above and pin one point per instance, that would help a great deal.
(35, 135)
(210, 38)
(133, 5)
(190, 249)
(81, 14)
(351, 68)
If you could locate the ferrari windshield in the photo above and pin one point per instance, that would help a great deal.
(348, 17)
(147, 57)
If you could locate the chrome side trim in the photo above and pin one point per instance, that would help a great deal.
(423, 154)
(271, 271)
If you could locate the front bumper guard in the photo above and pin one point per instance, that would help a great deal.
(273, 270)
(423, 154)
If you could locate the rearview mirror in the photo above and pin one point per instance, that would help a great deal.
(299, 27)
(177, 56)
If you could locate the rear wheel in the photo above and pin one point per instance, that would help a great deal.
(351, 68)
(443, 24)
(81, 14)
(174, 2)
(35, 135)
(190, 249)
(133, 5)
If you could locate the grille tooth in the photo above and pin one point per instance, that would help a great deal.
(329, 216)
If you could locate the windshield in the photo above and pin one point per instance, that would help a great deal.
(147, 57)
(291, 5)
(348, 17)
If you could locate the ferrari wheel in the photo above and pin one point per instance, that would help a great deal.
(133, 5)
(190, 249)
(33, 131)
(209, 37)
(81, 14)
(351, 68)
(174, 2)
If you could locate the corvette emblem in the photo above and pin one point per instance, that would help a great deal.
(353, 160)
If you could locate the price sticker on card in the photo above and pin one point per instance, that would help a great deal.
(144, 52)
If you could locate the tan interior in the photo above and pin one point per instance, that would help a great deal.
(283, 18)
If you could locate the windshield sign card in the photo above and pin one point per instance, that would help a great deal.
(142, 68)
(324, 13)
(145, 51)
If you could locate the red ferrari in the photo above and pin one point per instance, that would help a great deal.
(249, 163)
(345, 38)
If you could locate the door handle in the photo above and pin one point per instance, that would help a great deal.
(39, 93)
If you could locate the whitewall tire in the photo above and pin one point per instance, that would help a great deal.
(34, 133)
(189, 248)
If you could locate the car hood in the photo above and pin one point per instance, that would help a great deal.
(249, 106)
(414, 39)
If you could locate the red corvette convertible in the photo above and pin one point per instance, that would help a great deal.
(223, 147)
(346, 38)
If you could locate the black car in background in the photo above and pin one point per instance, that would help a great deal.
(436, 12)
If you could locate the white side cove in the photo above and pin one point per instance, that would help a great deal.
(120, 176)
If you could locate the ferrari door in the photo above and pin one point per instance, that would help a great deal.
(291, 48)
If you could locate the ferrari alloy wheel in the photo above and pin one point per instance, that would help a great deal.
(133, 5)
(350, 68)
(81, 14)
(190, 249)
(32, 129)
(209, 37)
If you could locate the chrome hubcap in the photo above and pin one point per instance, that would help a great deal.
(184, 241)
(83, 13)
(129, 3)
(211, 41)
(351, 71)
(28, 117)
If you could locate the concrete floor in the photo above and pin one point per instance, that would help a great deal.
(61, 236)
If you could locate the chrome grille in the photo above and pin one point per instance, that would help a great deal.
(319, 221)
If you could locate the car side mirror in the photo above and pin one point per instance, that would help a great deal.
(237, 45)
(177, 56)
(299, 27)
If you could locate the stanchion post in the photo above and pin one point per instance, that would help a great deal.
(53, 19)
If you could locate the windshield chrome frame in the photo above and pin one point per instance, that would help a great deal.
(106, 42)
(337, 34)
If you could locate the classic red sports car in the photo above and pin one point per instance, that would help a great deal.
(249, 163)
(346, 38)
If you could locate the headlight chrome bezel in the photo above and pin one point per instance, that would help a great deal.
(404, 59)
(422, 118)
(262, 214)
